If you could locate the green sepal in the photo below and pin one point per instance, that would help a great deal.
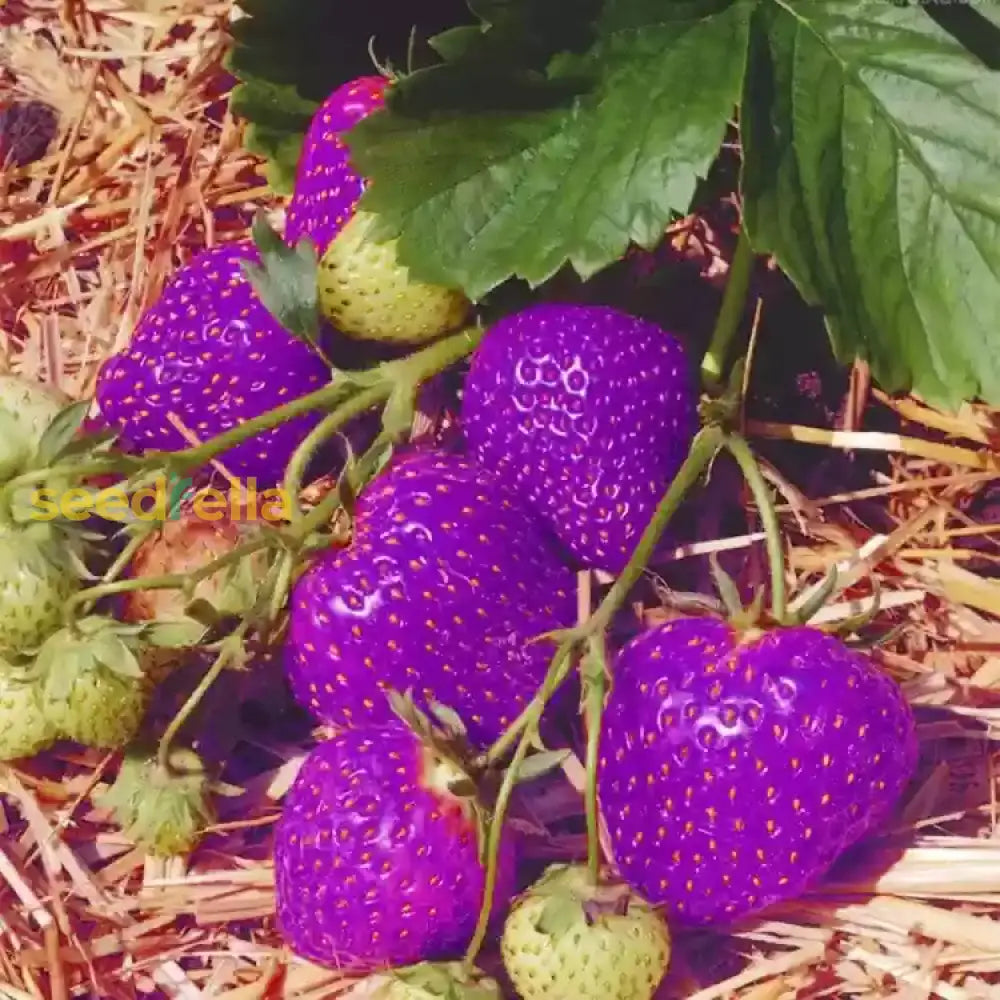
(163, 811)
(572, 897)
(174, 635)
(60, 432)
(286, 281)
(442, 981)
(89, 644)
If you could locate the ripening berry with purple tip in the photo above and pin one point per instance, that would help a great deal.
(208, 357)
(327, 187)
(589, 412)
(734, 772)
(376, 860)
(445, 582)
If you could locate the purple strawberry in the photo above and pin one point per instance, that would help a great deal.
(443, 584)
(590, 413)
(327, 187)
(376, 859)
(209, 354)
(734, 773)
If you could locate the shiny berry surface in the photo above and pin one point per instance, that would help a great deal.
(327, 187)
(733, 775)
(205, 358)
(588, 412)
(374, 865)
(444, 583)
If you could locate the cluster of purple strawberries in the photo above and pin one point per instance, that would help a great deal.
(734, 767)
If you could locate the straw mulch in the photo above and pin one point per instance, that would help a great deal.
(147, 168)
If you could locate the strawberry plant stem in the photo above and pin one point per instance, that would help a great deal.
(559, 669)
(232, 646)
(171, 581)
(703, 449)
(417, 367)
(706, 444)
(325, 429)
(594, 675)
(740, 450)
(713, 365)
(125, 556)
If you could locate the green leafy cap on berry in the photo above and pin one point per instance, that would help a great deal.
(452, 767)
(572, 898)
(164, 810)
(436, 981)
(92, 643)
(285, 281)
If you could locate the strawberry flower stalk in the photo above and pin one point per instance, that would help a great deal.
(524, 731)
(740, 451)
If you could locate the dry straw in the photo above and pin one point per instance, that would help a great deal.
(147, 169)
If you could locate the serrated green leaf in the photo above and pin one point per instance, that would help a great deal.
(872, 174)
(477, 198)
(290, 54)
(285, 281)
(61, 432)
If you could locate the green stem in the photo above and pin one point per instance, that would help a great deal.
(594, 677)
(713, 365)
(558, 671)
(126, 555)
(77, 471)
(740, 450)
(419, 366)
(326, 428)
(232, 645)
(171, 581)
(703, 449)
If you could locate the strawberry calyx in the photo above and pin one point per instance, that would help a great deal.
(573, 899)
(435, 981)
(162, 809)
(94, 643)
(464, 780)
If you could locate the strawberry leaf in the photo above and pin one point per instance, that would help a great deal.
(870, 137)
(290, 54)
(610, 147)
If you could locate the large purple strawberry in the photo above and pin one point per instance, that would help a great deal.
(444, 583)
(327, 187)
(589, 412)
(376, 859)
(210, 357)
(733, 772)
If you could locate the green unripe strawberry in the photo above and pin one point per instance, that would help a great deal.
(433, 981)
(26, 410)
(35, 583)
(24, 728)
(367, 294)
(164, 810)
(566, 939)
(93, 687)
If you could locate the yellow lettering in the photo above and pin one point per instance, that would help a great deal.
(272, 505)
(158, 494)
(46, 507)
(112, 504)
(251, 502)
(210, 505)
(76, 504)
